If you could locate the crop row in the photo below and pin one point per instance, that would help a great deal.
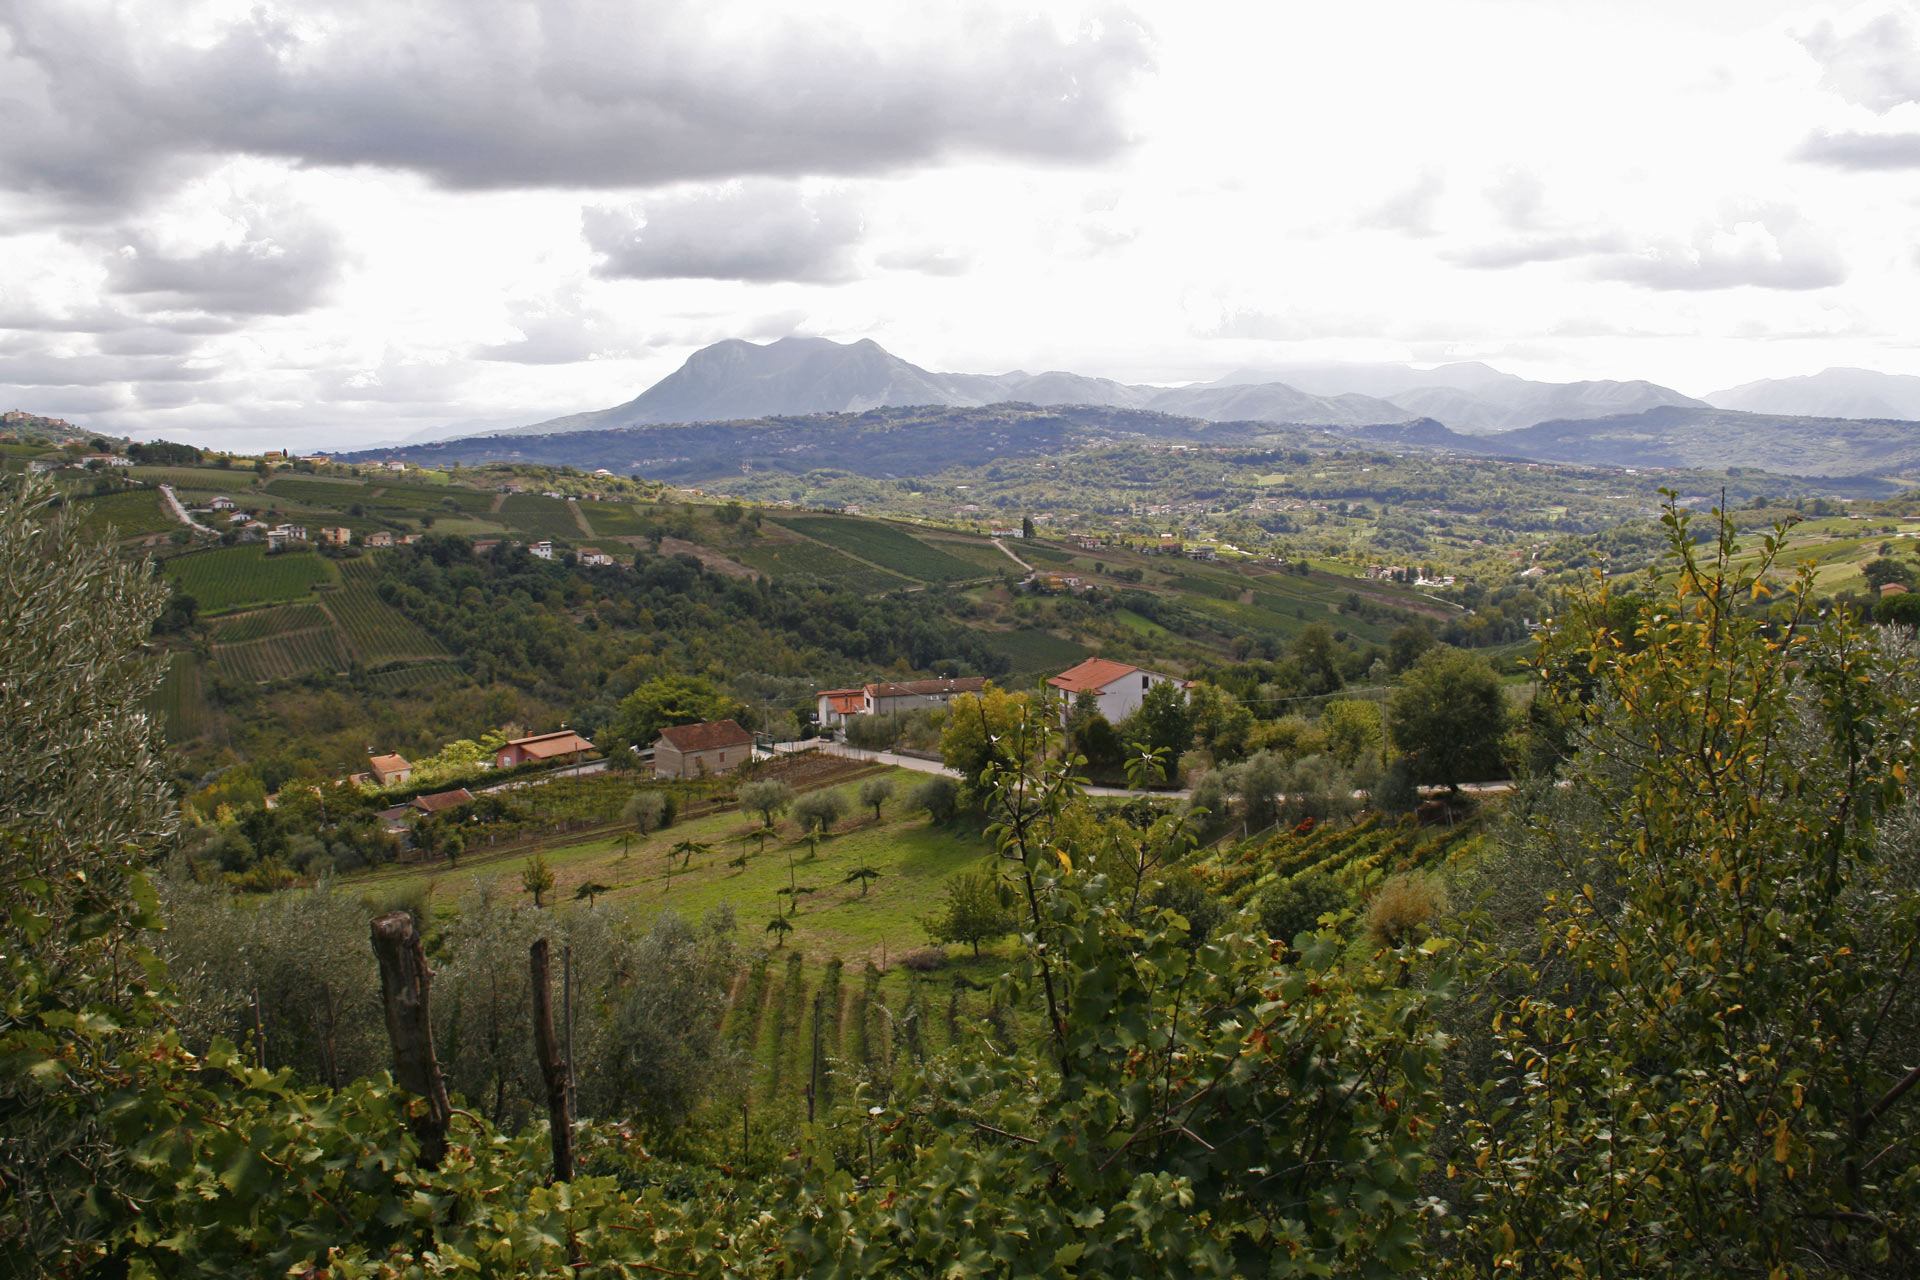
(378, 632)
(264, 623)
(884, 545)
(824, 563)
(178, 701)
(540, 517)
(281, 657)
(615, 519)
(227, 578)
(130, 514)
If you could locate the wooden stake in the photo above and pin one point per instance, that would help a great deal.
(259, 1034)
(813, 1063)
(405, 982)
(559, 1112)
(566, 1004)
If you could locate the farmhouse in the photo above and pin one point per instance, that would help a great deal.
(336, 535)
(695, 750)
(105, 460)
(282, 534)
(594, 555)
(562, 744)
(1117, 687)
(389, 769)
(440, 800)
(835, 705)
(543, 549)
(380, 538)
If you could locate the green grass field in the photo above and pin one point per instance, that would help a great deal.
(885, 545)
(233, 577)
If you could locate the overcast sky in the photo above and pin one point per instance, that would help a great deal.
(322, 223)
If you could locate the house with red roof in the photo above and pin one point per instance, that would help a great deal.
(697, 750)
(563, 745)
(1117, 687)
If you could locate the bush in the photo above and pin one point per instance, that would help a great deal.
(1182, 891)
(1294, 906)
(925, 960)
(1404, 908)
(873, 733)
(875, 792)
(819, 810)
(938, 795)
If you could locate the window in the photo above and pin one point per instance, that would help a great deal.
(1145, 683)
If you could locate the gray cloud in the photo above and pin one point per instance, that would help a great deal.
(524, 93)
(758, 230)
(1502, 254)
(283, 263)
(557, 330)
(1518, 195)
(928, 260)
(1411, 211)
(1876, 64)
(1771, 247)
(1866, 151)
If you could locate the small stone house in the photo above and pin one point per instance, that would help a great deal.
(388, 770)
(563, 745)
(696, 750)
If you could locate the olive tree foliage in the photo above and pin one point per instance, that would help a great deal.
(819, 810)
(1694, 1047)
(768, 797)
(1449, 718)
(84, 807)
(1185, 1106)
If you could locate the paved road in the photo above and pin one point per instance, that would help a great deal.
(918, 765)
(180, 512)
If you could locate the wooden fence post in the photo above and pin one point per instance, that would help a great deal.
(559, 1112)
(404, 984)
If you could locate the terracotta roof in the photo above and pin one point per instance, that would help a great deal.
(443, 800)
(1094, 673)
(705, 737)
(927, 688)
(845, 701)
(544, 746)
(389, 764)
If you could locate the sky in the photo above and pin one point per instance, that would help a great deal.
(333, 223)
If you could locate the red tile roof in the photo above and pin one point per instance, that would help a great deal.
(545, 746)
(443, 800)
(927, 688)
(1094, 673)
(845, 701)
(389, 764)
(706, 737)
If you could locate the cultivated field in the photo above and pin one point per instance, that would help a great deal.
(232, 577)
(884, 545)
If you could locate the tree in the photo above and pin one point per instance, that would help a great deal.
(938, 795)
(981, 730)
(1405, 646)
(1317, 654)
(1026, 526)
(817, 811)
(779, 927)
(1883, 570)
(768, 797)
(1162, 721)
(642, 813)
(591, 890)
(1354, 730)
(865, 875)
(875, 792)
(1448, 718)
(659, 703)
(536, 877)
(77, 826)
(970, 910)
(1694, 1001)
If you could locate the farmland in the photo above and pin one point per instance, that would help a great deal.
(263, 623)
(614, 519)
(1033, 650)
(285, 656)
(815, 561)
(884, 545)
(178, 700)
(231, 577)
(377, 632)
(540, 517)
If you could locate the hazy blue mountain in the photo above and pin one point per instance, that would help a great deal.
(1682, 436)
(1275, 402)
(1831, 393)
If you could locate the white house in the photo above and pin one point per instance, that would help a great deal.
(542, 549)
(1117, 687)
(594, 555)
(836, 705)
(221, 502)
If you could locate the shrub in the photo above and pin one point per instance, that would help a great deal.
(938, 795)
(1294, 906)
(1402, 910)
(875, 792)
(925, 959)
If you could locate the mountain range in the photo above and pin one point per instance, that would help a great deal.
(735, 380)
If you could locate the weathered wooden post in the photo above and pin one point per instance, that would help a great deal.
(559, 1111)
(404, 984)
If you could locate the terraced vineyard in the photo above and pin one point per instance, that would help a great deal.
(377, 632)
(813, 560)
(132, 514)
(319, 493)
(614, 519)
(232, 577)
(1033, 650)
(540, 517)
(178, 701)
(263, 623)
(414, 679)
(1357, 856)
(286, 656)
(884, 545)
(426, 499)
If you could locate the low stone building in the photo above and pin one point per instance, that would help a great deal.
(563, 745)
(697, 750)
